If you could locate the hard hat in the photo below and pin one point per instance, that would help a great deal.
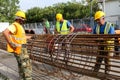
(20, 14)
(99, 14)
(59, 16)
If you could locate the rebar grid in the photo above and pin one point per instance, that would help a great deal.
(74, 55)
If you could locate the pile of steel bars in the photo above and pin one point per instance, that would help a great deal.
(77, 53)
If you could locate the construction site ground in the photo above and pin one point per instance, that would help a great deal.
(9, 71)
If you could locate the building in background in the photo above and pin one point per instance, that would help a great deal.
(112, 10)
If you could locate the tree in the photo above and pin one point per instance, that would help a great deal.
(34, 15)
(8, 9)
(70, 10)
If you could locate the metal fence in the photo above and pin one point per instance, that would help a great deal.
(37, 28)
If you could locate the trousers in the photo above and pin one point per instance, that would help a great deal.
(103, 56)
(24, 64)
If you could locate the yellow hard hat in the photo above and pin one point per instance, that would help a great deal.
(59, 16)
(20, 14)
(99, 14)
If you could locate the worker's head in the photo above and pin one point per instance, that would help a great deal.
(100, 17)
(59, 17)
(20, 16)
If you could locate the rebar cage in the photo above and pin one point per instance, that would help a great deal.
(75, 55)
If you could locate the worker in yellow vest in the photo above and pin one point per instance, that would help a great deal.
(103, 27)
(16, 44)
(63, 27)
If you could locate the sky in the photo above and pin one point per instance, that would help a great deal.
(27, 4)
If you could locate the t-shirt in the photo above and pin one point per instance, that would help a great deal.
(12, 28)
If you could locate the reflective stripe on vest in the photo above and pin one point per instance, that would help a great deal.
(18, 45)
(106, 30)
(16, 38)
(64, 30)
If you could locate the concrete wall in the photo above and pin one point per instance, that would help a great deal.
(112, 10)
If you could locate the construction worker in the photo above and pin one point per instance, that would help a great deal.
(63, 27)
(16, 44)
(46, 26)
(103, 27)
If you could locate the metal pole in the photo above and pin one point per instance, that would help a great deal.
(90, 8)
(104, 5)
(90, 12)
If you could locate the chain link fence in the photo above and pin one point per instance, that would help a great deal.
(80, 25)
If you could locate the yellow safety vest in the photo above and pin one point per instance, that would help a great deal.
(64, 30)
(18, 39)
(106, 30)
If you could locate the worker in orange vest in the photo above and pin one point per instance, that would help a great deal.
(16, 44)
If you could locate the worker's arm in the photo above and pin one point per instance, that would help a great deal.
(112, 30)
(6, 34)
(9, 31)
(71, 28)
(28, 37)
(117, 31)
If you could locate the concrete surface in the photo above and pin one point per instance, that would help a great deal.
(41, 71)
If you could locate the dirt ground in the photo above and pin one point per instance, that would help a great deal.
(8, 67)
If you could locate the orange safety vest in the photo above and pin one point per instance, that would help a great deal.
(18, 39)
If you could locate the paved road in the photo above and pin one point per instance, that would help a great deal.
(8, 67)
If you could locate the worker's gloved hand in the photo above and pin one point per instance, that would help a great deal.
(12, 45)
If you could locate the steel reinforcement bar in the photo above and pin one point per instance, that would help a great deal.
(78, 53)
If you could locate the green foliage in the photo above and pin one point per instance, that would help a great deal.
(8, 9)
(34, 14)
(70, 10)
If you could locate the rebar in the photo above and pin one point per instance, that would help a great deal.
(75, 54)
